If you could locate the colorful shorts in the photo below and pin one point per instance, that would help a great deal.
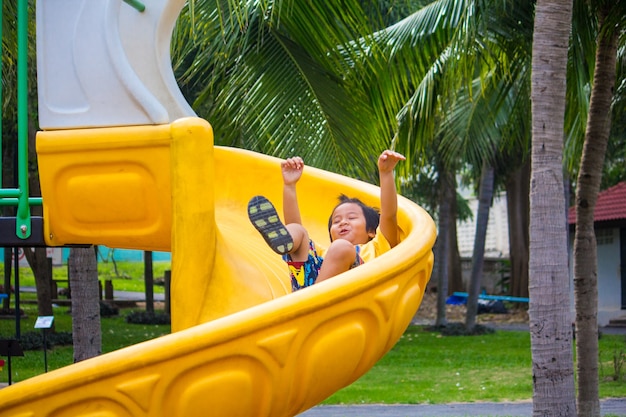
(304, 274)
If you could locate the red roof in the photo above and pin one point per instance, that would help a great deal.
(611, 205)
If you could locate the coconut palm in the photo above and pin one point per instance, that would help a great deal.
(550, 324)
(282, 78)
(479, 110)
(609, 16)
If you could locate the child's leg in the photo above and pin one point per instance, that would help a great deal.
(264, 218)
(300, 237)
(339, 258)
(292, 239)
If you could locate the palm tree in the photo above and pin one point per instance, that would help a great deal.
(588, 186)
(283, 78)
(550, 322)
(477, 110)
(385, 73)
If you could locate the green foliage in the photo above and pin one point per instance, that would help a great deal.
(459, 329)
(147, 317)
(612, 360)
(108, 309)
(33, 340)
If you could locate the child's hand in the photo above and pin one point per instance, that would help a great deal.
(292, 169)
(388, 160)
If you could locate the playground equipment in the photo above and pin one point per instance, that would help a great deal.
(242, 344)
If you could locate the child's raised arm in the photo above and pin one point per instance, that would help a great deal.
(387, 162)
(292, 171)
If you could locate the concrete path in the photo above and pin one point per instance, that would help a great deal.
(613, 407)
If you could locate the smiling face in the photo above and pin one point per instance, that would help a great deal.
(348, 222)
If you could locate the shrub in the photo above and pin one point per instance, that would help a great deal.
(34, 340)
(147, 317)
(458, 329)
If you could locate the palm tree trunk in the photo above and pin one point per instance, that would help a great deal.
(517, 193)
(448, 192)
(585, 246)
(86, 332)
(42, 270)
(455, 271)
(482, 219)
(550, 320)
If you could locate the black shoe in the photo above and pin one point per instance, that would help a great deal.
(264, 218)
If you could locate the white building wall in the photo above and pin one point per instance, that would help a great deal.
(497, 239)
(497, 246)
(609, 279)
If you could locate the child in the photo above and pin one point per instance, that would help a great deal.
(358, 233)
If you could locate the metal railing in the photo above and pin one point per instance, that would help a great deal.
(19, 197)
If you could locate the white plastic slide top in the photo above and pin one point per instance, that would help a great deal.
(104, 63)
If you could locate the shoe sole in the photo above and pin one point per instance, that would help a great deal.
(265, 219)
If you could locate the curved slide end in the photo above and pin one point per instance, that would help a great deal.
(272, 354)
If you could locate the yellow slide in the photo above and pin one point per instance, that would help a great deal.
(242, 344)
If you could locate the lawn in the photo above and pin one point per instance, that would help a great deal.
(126, 276)
(427, 368)
(116, 334)
(423, 367)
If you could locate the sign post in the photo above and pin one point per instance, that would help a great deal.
(10, 348)
(44, 323)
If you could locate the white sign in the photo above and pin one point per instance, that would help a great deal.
(44, 322)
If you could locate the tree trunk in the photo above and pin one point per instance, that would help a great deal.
(517, 193)
(86, 330)
(39, 262)
(455, 272)
(550, 319)
(585, 246)
(448, 192)
(148, 281)
(478, 256)
(7, 280)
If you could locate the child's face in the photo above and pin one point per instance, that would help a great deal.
(348, 222)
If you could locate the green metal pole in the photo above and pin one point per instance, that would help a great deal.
(22, 220)
(32, 201)
(1, 153)
(136, 4)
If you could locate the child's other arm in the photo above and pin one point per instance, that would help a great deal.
(292, 171)
(388, 196)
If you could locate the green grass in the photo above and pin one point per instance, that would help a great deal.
(116, 334)
(425, 367)
(126, 276)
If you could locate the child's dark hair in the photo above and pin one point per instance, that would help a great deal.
(372, 216)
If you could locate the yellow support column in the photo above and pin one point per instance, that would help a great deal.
(193, 218)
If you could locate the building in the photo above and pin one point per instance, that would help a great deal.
(610, 228)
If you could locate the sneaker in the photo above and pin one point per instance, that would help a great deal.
(264, 218)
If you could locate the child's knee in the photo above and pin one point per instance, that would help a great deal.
(300, 238)
(342, 250)
(297, 232)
